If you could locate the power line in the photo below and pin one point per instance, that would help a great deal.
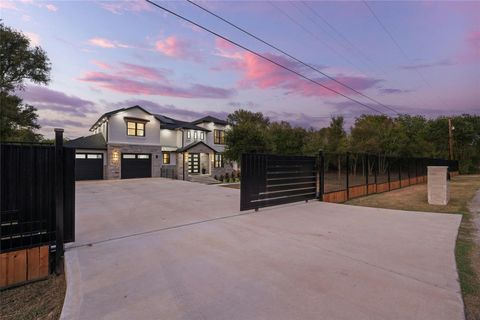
(355, 48)
(260, 55)
(289, 55)
(398, 46)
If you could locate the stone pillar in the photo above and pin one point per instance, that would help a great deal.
(438, 191)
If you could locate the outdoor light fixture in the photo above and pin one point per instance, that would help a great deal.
(115, 156)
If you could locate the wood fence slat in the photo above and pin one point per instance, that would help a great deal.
(33, 261)
(3, 269)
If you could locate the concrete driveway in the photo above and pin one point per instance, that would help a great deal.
(164, 249)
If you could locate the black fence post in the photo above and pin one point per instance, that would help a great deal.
(348, 173)
(376, 169)
(388, 163)
(59, 245)
(365, 170)
(399, 172)
(321, 175)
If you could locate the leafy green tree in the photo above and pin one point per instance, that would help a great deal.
(285, 139)
(248, 134)
(315, 140)
(19, 62)
(17, 122)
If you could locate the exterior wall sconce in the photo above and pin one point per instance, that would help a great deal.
(115, 156)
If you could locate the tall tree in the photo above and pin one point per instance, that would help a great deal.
(19, 62)
(285, 139)
(248, 134)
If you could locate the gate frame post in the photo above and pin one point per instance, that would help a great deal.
(59, 243)
(347, 171)
(365, 171)
(388, 171)
(320, 175)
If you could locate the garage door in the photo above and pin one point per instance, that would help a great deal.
(136, 165)
(88, 166)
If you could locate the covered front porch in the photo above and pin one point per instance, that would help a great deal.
(194, 160)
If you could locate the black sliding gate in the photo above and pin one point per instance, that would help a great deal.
(269, 180)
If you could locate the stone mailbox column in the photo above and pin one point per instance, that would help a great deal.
(438, 192)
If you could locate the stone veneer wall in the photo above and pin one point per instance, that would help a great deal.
(227, 168)
(114, 166)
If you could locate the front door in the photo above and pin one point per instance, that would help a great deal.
(194, 163)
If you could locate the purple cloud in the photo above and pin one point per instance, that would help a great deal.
(48, 99)
(440, 63)
(60, 123)
(170, 110)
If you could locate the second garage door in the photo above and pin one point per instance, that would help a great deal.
(136, 165)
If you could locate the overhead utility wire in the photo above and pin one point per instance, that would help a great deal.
(289, 55)
(359, 51)
(260, 55)
(390, 35)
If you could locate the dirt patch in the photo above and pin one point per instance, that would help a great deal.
(39, 300)
(232, 185)
(467, 251)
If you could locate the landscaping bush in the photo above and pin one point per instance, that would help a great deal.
(221, 177)
(215, 177)
(226, 176)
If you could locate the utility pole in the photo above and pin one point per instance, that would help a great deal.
(450, 139)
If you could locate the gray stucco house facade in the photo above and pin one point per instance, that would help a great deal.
(135, 143)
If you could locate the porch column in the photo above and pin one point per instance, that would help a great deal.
(210, 162)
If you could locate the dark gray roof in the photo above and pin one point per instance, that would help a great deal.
(210, 119)
(170, 123)
(95, 141)
(191, 145)
(108, 114)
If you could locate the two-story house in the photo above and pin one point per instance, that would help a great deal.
(134, 143)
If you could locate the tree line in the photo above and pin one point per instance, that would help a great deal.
(402, 136)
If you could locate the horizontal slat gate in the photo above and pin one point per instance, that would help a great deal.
(269, 180)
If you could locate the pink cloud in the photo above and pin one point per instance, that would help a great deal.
(472, 51)
(119, 7)
(51, 7)
(135, 79)
(149, 73)
(105, 43)
(8, 5)
(261, 74)
(102, 65)
(177, 48)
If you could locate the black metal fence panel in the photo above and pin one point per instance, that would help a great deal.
(269, 180)
(27, 196)
(335, 168)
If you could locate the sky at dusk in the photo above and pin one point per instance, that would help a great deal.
(112, 54)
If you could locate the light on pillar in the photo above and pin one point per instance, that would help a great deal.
(115, 157)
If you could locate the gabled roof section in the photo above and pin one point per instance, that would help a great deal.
(170, 123)
(191, 145)
(108, 114)
(95, 141)
(210, 119)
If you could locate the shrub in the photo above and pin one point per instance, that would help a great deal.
(226, 176)
(215, 177)
(221, 177)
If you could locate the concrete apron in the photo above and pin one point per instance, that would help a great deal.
(301, 261)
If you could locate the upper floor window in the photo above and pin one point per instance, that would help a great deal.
(189, 134)
(202, 135)
(136, 129)
(195, 135)
(218, 136)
